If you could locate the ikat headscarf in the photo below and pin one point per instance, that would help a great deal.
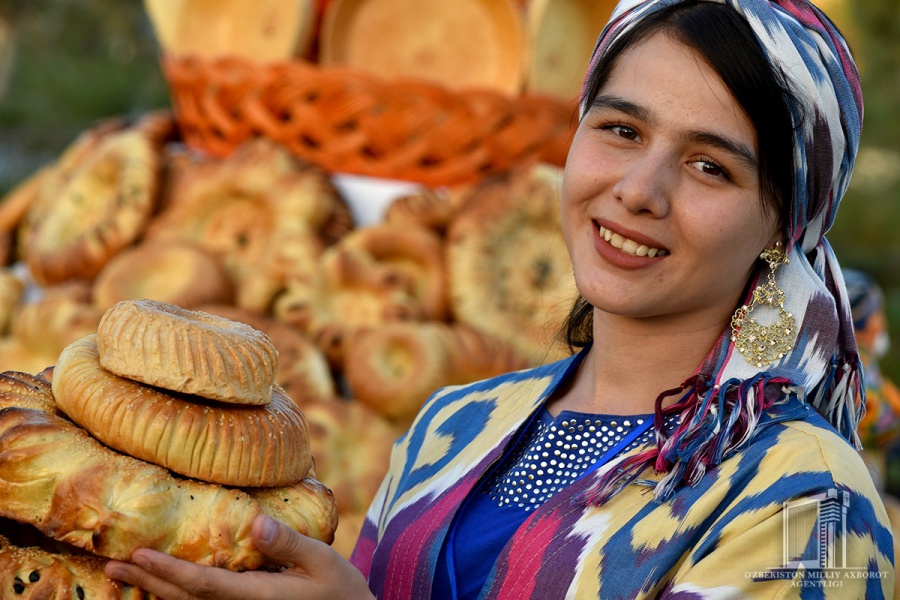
(721, 406)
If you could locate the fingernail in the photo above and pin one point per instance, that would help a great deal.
(268, 529)
(141, 561)
(115, 572)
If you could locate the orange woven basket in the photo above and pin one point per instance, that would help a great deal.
(349, 121)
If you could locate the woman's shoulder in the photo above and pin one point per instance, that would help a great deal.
(797, 449)
(526, 387)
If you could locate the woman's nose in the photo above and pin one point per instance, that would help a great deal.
(646, 182)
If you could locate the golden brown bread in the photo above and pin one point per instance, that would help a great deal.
(429, 209)
(60, 315)
(17, 356)
(13, 207)
(510, 273)
(12, 288)
(33, 573)
(42, 327)
(223, 443)
(394, 368)
(410, 254)
(187, 351)
(55, 476)
(24, 390)
(96, 201)
(265, 214)
(303, 370)
(345, 295)
(260, 32)
(177, 273)
(352, 445)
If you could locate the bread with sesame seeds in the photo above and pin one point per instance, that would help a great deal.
(56, 477)
(32, 573)
(229, 444)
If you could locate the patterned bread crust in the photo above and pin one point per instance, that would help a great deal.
(97, 200)
(55, 476)
(222, 443)
(303, 370)
(266, 215)
(346, 294)
(187, 351)
(177, 273)
(24, 390)
(413, 255)
(428, 208)
(13, 207)
(510, 273)
(394, 368)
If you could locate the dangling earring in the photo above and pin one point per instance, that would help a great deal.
(762, 345)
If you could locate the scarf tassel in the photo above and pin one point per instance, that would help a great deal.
(716, 422)
(841, 397)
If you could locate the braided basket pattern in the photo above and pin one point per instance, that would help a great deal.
(349, 121)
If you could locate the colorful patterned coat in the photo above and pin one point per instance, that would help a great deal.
(725, 537)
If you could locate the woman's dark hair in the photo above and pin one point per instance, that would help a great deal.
(725, 40)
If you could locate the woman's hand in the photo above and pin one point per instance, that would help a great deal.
(316, 571)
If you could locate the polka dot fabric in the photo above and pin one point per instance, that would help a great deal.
(556, 452)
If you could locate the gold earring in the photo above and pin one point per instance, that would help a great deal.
(762, 345)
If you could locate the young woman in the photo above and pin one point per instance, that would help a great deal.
(701, 442)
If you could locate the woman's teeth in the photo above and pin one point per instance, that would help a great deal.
(629, 246)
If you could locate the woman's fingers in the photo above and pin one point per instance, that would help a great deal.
(312, 570)
(327, 574)
(145, 576)
(174, 579)
(284, 546)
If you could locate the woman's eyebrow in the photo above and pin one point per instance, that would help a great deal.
(738, 149)
(622, 105)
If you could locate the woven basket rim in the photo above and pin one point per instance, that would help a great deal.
(348, 120)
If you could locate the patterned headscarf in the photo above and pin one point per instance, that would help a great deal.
(722, 404)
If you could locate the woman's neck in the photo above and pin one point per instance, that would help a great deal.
(631, 362)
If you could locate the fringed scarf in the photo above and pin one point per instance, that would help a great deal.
(722, 404)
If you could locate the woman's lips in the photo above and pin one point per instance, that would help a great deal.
(623, 250)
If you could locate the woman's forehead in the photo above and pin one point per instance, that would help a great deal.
(661, 77)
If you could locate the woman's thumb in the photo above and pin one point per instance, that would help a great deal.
(280, 543)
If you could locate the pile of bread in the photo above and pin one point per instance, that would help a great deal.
(165, 430)
(450, 286)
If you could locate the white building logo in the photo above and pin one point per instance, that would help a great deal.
(815, 545)
(826, 516)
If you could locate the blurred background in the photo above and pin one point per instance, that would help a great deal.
(64, 64)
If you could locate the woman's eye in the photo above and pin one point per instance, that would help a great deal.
(713, 169)
(623, 131)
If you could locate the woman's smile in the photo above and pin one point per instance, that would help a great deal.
(626, 249)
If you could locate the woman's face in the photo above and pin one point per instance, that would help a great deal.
(661, 206)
